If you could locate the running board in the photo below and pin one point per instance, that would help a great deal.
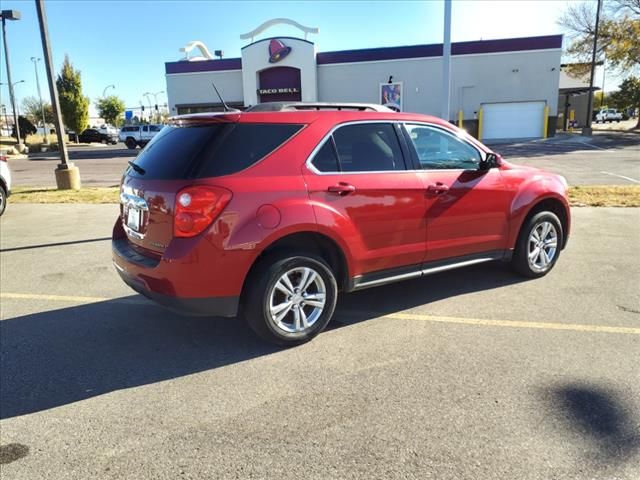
(405, 273)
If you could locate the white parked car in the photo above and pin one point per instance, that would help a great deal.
(5, 183)
(138, 135)
(107, 129)
(608, 115)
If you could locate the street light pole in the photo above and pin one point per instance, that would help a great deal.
(104, 92)
(67, 174)
(155, 99)
(148, 95)
(44, 121)
(11, 15)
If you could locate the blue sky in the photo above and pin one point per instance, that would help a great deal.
(127, 43)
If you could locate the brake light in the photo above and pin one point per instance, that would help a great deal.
(197, 207)
(3, 159)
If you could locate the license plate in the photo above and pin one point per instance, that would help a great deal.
(133, 218)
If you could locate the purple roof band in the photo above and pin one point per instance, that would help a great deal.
(204, 65)
(387, 53)
(435, 50)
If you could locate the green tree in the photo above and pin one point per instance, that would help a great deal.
(33, 110)
(73, 105)
(618, 34)
(111, 109)
(628, 96)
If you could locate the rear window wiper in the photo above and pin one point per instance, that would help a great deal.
(137, 168)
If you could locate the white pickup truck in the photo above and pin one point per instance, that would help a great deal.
(138, 135)
(608, 115)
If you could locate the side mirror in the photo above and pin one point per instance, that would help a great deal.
(490, 161)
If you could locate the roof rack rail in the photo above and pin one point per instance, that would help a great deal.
(296, 106)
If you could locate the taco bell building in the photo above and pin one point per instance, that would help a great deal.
(500, 89)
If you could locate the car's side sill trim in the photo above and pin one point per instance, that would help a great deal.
(361, 282)
(383, 281)
(466, 263)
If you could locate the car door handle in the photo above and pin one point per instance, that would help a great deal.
(437, 188)
(341, 188)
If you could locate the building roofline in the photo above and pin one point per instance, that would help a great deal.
(546, 42)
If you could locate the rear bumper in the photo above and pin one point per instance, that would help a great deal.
(150, 277)
(214, 306)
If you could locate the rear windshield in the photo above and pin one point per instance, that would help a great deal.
(209, 151)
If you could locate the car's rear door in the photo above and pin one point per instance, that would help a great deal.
(466, 208)
(359, 184)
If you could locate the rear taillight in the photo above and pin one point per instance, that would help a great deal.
(197, 207)
(3, 159)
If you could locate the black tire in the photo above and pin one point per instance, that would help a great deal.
(130, 143)
(257, 297)
(520, 261)
(3, 200)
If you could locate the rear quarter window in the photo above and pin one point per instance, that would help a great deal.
(210, 150)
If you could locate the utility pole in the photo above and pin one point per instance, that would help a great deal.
(446, 62)
(67, 174)
(44, 121)
(11, 15)
(587, 131)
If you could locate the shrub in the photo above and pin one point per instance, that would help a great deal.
(36, 141)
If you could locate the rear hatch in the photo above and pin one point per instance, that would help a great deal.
(184, 154)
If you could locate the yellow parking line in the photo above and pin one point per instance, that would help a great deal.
(397, 316)
(54, 298)
(63, 298)
(516, 324)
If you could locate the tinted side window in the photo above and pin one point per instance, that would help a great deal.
(154, 128)
(145, 128)
(241, 145)
(209, 151)
(368, 147)
(437, 149)
(325, 159)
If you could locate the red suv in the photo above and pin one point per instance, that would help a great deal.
(269, 213)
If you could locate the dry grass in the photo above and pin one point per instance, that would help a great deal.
(605, 196)
(585, 196)
(51, 195)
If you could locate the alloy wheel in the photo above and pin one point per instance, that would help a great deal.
(542, 246)
(297, 300)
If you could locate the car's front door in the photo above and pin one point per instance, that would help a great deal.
(359, 183)
(467, 208)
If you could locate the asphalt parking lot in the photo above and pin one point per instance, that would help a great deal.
(609, 158)
(474, 374)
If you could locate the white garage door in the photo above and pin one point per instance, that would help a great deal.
(512, 120)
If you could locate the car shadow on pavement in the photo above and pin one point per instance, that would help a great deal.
(599, 416)
(374, 302)
(53, 358)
